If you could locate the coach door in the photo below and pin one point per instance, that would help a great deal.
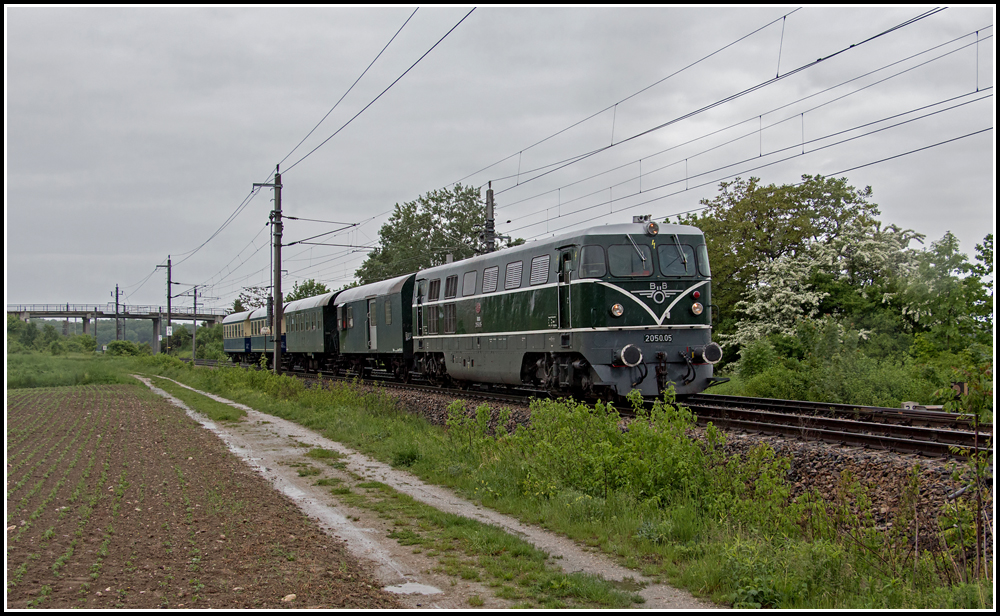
(372, 330)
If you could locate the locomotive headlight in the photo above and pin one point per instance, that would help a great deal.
(652, 228)
(697, 308)
(617, 310)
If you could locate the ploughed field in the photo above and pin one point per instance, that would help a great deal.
(115, 498)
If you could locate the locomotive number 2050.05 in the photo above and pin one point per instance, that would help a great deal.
(659, 338)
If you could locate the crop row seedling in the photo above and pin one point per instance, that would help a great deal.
(30, 471)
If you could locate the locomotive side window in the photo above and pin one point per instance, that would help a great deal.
(490, 276)
(512, 279)
(469, 284)
(671, 261)
(450, 287)
(539, 270)
(703, 267)
(592, 262)
(432, 313)
(630, 261)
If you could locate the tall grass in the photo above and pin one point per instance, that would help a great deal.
(43, 370)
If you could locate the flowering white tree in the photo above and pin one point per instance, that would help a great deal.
(862, 254)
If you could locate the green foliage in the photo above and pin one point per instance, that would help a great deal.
(251, 298)
(128, 348)
(30, 370)
(748, 226)
(309, 288)
(421, 233)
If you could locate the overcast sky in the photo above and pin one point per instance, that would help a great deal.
(136, 133)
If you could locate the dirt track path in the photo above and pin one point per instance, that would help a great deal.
(274, 447)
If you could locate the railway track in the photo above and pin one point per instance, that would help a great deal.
(916, 431)
(930, 433)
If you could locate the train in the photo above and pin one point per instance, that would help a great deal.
(593, 313)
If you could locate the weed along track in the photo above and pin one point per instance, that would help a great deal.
(427, 545)
(129, 503)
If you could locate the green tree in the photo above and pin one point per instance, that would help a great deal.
(749, 225)
(308, 288)
(251, 298)
(945, 294)
(423, 232)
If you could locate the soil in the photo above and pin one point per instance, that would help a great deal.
(130, 503)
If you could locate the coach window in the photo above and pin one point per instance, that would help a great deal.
(469, 284)
(349, 319)
(630, 261)
(490, 276)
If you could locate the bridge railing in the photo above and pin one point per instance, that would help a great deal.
(106, 310)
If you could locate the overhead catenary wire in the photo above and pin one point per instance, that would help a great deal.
(346, 124)
(729, 98)
(758, 115)
(363, 73)
(630, 96)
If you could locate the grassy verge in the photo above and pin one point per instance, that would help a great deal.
(722, 527)
(471, 550)
(213, 409)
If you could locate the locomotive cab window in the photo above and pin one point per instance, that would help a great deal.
(592, 263)
(703, 267)
(676, 260)
(630, 260)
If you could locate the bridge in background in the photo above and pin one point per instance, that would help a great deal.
(87, 312)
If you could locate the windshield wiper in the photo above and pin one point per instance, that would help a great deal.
(683, 258)
(641, 256)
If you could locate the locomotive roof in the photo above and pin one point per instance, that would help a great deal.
(236, 317)
(310, 302)
(572, 237)
(384, 287)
